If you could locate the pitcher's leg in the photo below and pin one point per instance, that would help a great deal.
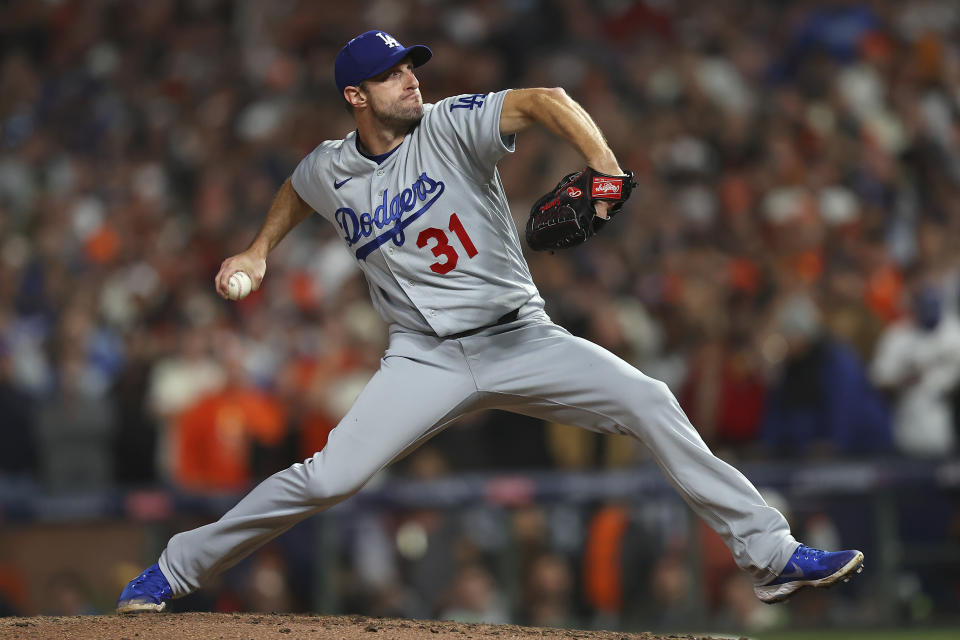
(404, 403)
(574, 381)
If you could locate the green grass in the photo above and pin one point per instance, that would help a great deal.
(844, 634)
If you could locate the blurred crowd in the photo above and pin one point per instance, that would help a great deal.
(787, 264)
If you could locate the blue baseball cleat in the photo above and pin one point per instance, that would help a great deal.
(810, 567)
(149, 591)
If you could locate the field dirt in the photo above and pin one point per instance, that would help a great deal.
(218, 626)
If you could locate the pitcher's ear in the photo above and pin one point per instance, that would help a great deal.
(355, 95)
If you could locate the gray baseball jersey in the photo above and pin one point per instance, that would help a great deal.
(430, 226)
(431, 229)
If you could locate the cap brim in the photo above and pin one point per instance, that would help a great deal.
(419, 54)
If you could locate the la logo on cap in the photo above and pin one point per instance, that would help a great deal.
(388, 40)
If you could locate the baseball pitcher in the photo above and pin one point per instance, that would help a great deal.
(415, 194)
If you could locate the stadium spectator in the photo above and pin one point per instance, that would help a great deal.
(918, 363)
(725, 387)
(216, 436)
(75, 429)
(18, 456)
(547, 599)
(473, 597)
(822, 404)
(136, 439)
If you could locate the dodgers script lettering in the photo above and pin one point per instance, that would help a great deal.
(389, 214)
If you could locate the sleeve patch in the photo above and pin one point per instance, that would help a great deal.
(469, 102)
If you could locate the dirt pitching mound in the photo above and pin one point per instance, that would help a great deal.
(248, 626)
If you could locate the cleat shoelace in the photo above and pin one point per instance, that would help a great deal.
(809, 553)
(142, 580)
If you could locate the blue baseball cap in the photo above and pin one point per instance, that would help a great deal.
(371, 53)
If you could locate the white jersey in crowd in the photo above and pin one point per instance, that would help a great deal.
(430, 226)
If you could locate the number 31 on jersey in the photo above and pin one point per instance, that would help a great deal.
(443, 248)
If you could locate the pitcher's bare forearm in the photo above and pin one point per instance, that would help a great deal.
(287, 211)
(563, 116)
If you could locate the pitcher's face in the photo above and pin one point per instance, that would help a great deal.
(394, 95)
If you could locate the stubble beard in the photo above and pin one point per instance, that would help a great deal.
(399, 116)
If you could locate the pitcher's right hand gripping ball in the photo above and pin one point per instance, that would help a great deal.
(565, 217)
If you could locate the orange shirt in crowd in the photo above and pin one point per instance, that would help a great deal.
(215, 434)
(602, 577)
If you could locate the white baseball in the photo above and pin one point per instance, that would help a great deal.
(239, 286)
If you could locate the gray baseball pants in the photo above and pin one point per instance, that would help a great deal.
(529, 366)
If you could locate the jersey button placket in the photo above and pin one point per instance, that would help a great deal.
(389, 245)
(398, 259)
(389, 248)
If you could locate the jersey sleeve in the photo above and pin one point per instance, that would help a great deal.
(307, 180)
(467, 130)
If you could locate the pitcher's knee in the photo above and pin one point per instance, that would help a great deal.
(655, 395)
(330, 486)
(653, 399)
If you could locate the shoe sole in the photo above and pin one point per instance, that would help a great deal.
(780, 592)
(134, 606)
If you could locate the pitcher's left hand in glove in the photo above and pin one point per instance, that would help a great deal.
(565, 217)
